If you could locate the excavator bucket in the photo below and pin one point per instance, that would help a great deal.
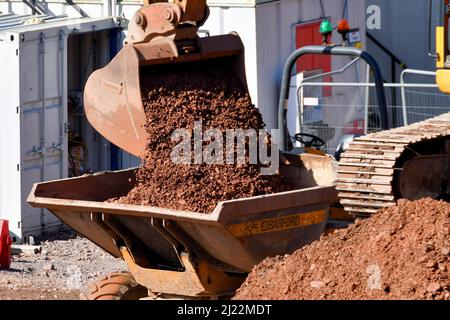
(113, 103)
(112, 96)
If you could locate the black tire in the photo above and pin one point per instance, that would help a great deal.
(115, 286)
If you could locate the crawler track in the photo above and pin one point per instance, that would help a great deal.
(406, 162)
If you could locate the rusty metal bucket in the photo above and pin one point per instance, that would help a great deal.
(188, 253)
(112, 96)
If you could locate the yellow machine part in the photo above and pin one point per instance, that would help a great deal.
(314, 151)
(440, 47)
(442, 74)
(443, 80)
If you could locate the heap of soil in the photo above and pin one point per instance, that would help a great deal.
(172, 101)
(400, 253)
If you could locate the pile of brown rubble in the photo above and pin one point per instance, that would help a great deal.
(217, 97)
(400, 253)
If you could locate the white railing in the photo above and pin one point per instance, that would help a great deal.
(407, 103)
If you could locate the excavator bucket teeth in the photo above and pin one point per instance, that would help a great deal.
(113, 102)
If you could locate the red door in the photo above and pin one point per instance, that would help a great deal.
(307, 34)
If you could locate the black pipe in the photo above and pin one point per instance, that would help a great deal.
(336, 51)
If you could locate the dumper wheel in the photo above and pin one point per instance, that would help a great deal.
(115, 286)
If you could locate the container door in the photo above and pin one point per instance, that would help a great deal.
(10, 189)
(307, 34)
(43, 112)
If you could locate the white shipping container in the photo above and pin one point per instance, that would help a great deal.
(40, 65)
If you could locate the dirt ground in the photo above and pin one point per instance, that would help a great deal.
(400, 253)
(65, 265)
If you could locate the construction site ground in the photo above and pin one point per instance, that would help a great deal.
(65, 265)
(407, 243)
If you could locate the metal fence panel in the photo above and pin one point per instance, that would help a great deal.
(332, 110)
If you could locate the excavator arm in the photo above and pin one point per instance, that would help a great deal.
(175, 19)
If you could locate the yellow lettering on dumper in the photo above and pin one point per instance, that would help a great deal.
(277, 224)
